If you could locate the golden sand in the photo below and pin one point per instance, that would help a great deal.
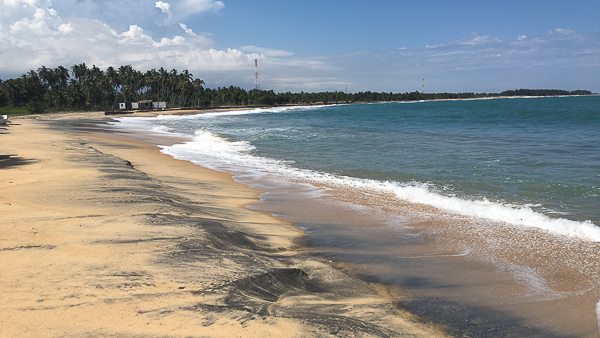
(103, 236)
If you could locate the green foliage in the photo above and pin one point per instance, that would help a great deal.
(36, 107)
(85, 88)
(14, 111)
(543, 92)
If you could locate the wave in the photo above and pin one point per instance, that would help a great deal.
(210, 150)
(210, 114)
(161, 130)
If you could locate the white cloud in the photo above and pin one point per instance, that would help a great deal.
(120, 14)
(266, 51)
(33, 34)
(65, 28)
(565, 32)
(473, 40)
(25, 3)
(165, 8)
(309, 84)
(199, 6)
(187, 30)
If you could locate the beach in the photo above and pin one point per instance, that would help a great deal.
(480, 214)
(102, 235)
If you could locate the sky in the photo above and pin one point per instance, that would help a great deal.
(322, 45)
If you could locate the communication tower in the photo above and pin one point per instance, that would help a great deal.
(256, 85)
(423, 89)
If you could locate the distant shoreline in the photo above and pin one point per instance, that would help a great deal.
(192, 110)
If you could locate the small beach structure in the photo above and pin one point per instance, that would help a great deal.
(159, 105)
(124, 106)
(145, 104)
(140, 105)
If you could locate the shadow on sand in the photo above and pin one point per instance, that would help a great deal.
(9, 161)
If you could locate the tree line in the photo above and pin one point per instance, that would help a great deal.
(543, 92)
(85, 88)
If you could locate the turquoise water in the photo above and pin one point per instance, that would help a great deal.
(539, 153)
(515, 185)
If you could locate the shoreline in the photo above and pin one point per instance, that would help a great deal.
(105, 235)
(191, 111)
(519, 320)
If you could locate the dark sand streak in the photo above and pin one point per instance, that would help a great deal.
(223, 267)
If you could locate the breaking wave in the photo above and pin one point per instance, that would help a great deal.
(210, 150)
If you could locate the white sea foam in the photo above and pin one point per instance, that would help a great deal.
(210, 150)
(148, 123)
(161, 129)
(210, 114)
(132, 123)
(461, 254)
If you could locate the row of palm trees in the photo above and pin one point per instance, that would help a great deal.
(93, 88)
(87, 88)
(83, 87)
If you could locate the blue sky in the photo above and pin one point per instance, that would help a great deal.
(331, 27)
(476, 46)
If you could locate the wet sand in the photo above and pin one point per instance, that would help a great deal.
(101, 235)
(478, 278)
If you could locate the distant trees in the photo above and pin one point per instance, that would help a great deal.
(85, 88)
(543, 92)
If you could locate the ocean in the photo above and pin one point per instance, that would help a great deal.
(484, 214)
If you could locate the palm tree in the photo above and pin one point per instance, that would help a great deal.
(184, 87)
(75, 97)
(62, 77)
(113, 85)
(198, 90)
(79, 72)
(125, 76)
(48, 80)
(95, 90)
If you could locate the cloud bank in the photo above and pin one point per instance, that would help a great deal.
(33, 33)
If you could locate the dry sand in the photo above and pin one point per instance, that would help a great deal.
(104, 236)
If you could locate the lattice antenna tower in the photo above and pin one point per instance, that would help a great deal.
(256, 85)
(423, 89)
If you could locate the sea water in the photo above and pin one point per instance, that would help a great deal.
(484, 212)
